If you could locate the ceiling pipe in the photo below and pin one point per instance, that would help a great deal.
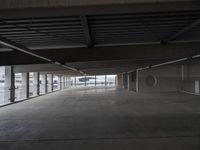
(21, 48)
(168, 63)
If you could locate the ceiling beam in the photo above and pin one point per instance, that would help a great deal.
(181, 32)
(140, 53)
(171, 6)
(15, 46)
(87, 31)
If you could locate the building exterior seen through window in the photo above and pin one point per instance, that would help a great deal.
(99, 80)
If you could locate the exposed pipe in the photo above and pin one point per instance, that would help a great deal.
(21, 48)
(167, 63)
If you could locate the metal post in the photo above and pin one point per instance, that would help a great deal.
(38, 83)
(85, 80)
(28, 85)
(75, 81)
(115, 80)
(51, 82)
(45, 83)
(105, 80)
(10, 82)
(95, 80)
(60, 82)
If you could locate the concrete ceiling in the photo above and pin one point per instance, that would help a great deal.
(118, 38)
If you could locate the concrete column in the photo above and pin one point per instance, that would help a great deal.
(45, 83)
(25, 85)
(60, 81)
(75, 81)
(85, 81)
(66, 81)
(197, 87)
(63, 81)
(10, 83)
(130, 81)
(119, 81)
(137, 80)
(105, 80)
(125, 80)
(95, 80)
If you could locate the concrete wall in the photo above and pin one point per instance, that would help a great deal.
(191, 77)
(119, 81)
(160, 79)
(132, 81)
(125, 80)
(70, 3)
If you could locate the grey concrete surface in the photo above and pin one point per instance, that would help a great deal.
(70, 3)
(102, 119)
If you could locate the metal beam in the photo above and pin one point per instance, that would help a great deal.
(21, 48)
(86, 30)
(181, 32)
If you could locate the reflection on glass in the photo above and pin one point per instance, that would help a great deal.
(42, 83)
(56, 83)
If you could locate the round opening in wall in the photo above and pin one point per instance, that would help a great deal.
(151, 81)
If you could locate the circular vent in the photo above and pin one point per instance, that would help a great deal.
(151, 81)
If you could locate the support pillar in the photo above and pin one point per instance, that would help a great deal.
(85, 80)
(125, 80)
(60, 81)
(25, 85)
(130, 81)
(137, 80)
(105, 80)
(63, 81)
(197, 87)
(119, 81)
(95, 80)
(75, 81)
(10, 83)
(67, 81)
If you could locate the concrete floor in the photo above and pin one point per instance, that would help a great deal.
(102, 119)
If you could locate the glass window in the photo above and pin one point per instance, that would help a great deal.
(4, 89)
(80, 81)
(100, 80)
(49, 83)
(90, 80)
(20, 85)
(56, 83)
(31, 85)
(110, 80)
(42, 83)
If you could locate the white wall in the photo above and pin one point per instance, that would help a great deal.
(191, 74)
(168, 79)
